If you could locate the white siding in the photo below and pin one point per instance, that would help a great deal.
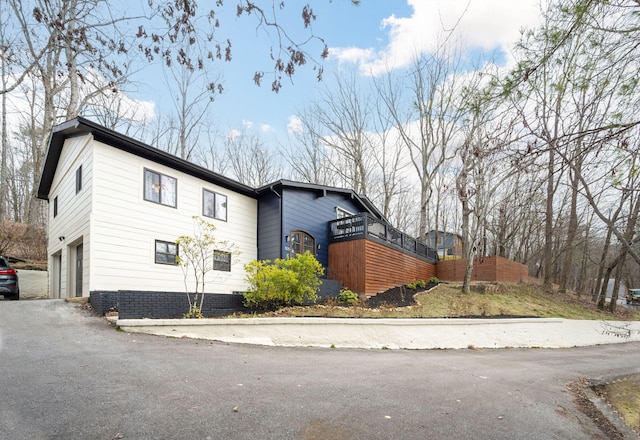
(124, 226)
(72, 221)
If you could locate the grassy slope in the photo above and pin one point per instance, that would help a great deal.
(447, 301)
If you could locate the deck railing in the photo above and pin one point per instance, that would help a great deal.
(364, 225)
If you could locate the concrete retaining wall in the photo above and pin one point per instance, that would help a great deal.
(394, 333)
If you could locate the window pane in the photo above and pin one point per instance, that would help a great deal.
(342, 213)
(151, 186)
(221, 207)
(208, 204)
(79, 179)
(168, 185)
(301, 242)
(166, 252)
(308, 243)
(222, 261)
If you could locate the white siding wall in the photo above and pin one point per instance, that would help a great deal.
(72, 221)
(124, 227)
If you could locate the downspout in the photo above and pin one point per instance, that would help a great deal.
(271, 188)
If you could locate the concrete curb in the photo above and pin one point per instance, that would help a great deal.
(394, 333)
(608, 411)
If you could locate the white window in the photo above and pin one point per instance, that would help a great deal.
(342, 213)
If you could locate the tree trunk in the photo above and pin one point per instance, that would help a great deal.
(548, 224)
(571, 233)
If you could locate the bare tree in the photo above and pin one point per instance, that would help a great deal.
(251, 161)
(428, 120)
(488, 131)
(212, 155)
(306, 154)
(342, 124)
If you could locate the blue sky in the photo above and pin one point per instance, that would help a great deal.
(360, 38)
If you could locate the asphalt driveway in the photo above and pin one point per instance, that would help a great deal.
(66, 374)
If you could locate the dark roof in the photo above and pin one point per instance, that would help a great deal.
(366, 204)
(80, 126)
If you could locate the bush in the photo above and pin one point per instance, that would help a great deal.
(348, 297)
(420, 284)
(282, 283)
(434, 280)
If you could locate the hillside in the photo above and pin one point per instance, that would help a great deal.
(487, 300)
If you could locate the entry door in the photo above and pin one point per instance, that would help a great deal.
(79, 270)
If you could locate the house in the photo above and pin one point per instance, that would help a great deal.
(117, 206)
(294, 215)
(448, 244)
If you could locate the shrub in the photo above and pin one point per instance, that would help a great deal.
(420, 284)
(347, 297)
(193, 313)
(434, 280)
(282, 283)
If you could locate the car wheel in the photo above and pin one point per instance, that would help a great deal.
(14, 297)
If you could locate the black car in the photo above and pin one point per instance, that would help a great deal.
(8, 280)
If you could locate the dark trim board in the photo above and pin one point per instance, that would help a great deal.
(81, 126)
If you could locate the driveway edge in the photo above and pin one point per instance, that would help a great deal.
(394, 333)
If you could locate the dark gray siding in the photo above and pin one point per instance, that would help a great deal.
(269, 227)
(310, 211)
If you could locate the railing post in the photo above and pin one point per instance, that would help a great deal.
(365, 224)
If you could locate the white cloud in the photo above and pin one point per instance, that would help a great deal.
(294, 125)
(134, 109)
(233, 133)
(266, 128)
(247, 124)
(479, 24)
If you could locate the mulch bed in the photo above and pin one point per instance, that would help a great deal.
(398, 296)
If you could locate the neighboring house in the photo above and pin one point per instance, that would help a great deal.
(117, 206)
(448, 244)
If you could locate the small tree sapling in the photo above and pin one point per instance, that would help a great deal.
(196, 257)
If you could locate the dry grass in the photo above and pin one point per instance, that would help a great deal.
(486, 300)
(624, 395)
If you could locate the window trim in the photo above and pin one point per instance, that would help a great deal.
(79, 179)
(160, 192)
(227, 264)
(215, 195)
(55, 206)
(155, 253)
(344, 212)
